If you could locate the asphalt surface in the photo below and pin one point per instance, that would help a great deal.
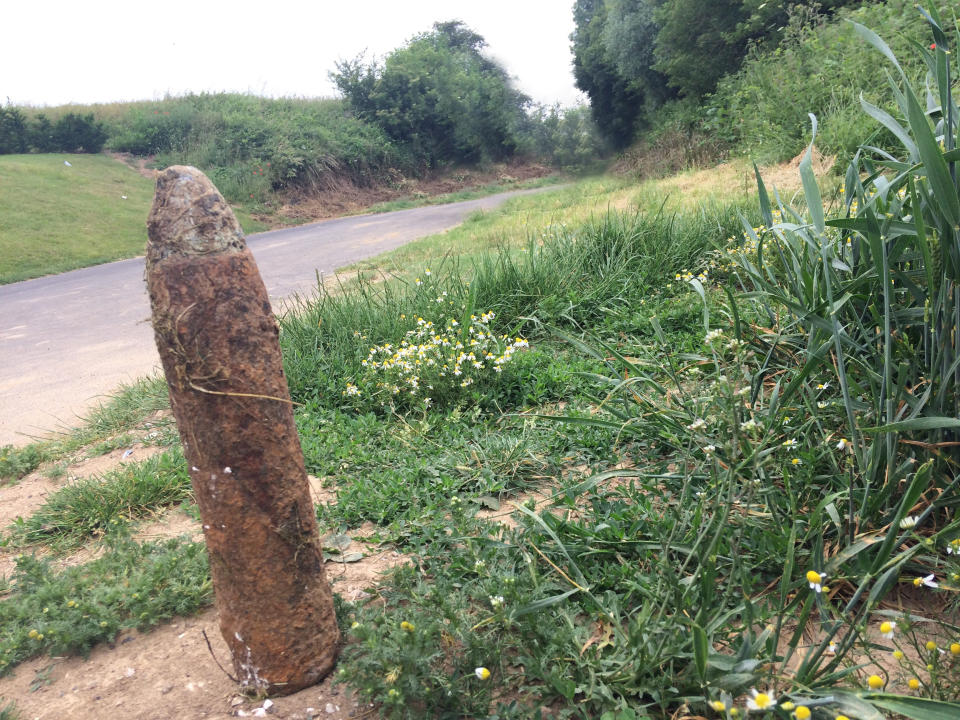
(67, 341)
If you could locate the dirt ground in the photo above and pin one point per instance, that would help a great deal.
(167, 672)
(337, 198)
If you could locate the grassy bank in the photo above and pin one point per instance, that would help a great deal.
(56, 217)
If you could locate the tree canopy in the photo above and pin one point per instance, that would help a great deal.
(439, 96)
(631, 56)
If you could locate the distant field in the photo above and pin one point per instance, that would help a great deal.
(55, 217)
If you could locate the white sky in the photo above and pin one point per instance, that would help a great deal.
(61, 51)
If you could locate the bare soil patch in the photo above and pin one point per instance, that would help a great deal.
(345, 198)
(162, 674)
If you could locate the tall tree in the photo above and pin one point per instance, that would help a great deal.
(615, 104)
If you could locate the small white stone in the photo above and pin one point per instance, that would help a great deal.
(330, 709)
(227, 470)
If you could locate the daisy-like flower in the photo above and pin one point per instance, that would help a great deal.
(953, 547)
(710, 449)
(831, 649)
(761, 700)
(718, 705)
(408, 626)
(815, 579)
(796, 461)
(887, 629)
(697, 424)
(789, 443)
(913, 684)
(843, 444)
(482, 673)
(802, 712)
(928, 581)
(875, 682)
(909, 522)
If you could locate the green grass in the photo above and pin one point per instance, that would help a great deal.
(55, 218)
(129, 408)
(682, 436)
(88, 508)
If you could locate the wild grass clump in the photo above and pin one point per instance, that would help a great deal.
(251, 145)
(572, 279)
(92, 506)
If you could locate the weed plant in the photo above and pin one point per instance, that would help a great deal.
(69, 610)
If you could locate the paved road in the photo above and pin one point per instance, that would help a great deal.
(68, 340)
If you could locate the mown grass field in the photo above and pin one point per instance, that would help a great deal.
(55, 217)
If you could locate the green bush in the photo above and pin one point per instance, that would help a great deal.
(13, 130)
(819, 67)
(78, 133)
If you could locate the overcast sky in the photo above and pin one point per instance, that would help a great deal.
(55, 52)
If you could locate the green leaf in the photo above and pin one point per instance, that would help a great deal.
(701, 647)
(916, 708)
(811, 190)
(544, 603)
(921, 423)
(855, 707)
(885, 119)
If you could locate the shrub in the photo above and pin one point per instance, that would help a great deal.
(13, 131)
(79, 133)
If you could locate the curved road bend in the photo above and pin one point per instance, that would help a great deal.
(67, 340)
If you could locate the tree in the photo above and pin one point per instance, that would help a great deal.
(13, 130)
(698, 43)
(614, 103)
(79, 133)
(439, 96)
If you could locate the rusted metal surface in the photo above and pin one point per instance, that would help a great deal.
(218, 342)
